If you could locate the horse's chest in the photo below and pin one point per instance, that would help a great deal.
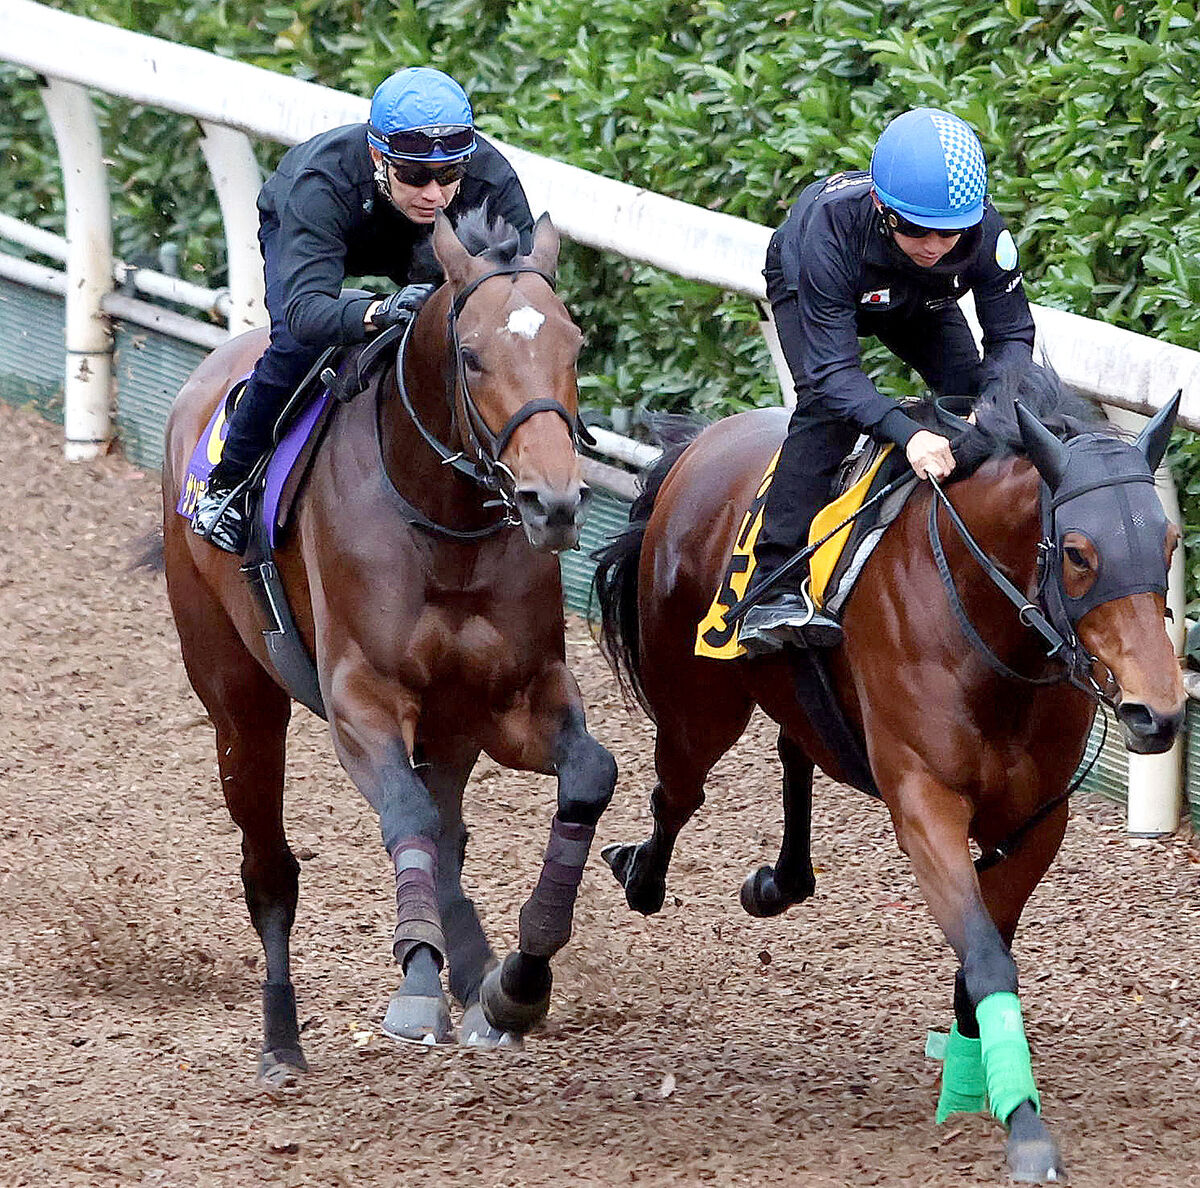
(468, 651)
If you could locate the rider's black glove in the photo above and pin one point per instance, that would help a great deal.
(401, 306)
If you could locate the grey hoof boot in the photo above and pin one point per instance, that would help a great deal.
(476, 1032)
(281, 1069)
(418, 1019)
(506, 1013)
(1033, 1155)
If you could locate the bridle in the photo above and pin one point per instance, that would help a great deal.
(1047, 614)
(480, 461)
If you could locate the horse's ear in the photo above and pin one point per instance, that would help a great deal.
(1045, 451)
(455, 260)
(1152, 440)
(544, 254)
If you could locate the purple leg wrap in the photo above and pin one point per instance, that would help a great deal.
(418, 921)
(546, 916)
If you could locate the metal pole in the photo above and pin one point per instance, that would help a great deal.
(783, 373)
(237, 179)
(87, 391)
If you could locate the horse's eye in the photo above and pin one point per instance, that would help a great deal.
(471, 360)
(1075, 556)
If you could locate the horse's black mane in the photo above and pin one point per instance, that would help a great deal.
(996, 432)
(495, 240)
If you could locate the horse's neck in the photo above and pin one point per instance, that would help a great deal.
(1000, 506)
(415, 468)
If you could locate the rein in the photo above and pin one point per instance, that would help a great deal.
(485, 469)
(1064, 645)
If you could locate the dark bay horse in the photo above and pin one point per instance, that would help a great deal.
(433, 608)
(965, 740)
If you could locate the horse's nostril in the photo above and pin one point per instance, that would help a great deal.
(1136, 717)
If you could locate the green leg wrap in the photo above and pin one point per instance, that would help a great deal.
(1006, 1063)
(963, 1090)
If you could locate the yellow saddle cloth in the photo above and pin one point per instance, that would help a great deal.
(717, 639)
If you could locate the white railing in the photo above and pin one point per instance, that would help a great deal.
(235, 101)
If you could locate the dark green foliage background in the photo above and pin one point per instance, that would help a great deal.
(1088, 113)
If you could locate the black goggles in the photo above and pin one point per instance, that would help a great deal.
(410, 173)
(448, 139)
(901, 226)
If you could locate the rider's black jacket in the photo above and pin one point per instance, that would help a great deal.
(330, 222)
(834, 274)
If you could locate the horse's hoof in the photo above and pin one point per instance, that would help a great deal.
(418, 1019)
(281, 1069)
(506, 1013)
(762, 897)
(476, 1032)
(619, 857)
(643, 895)
(1035, 1161)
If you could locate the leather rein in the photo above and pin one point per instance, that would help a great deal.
(482, 465)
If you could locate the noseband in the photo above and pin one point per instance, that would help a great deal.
(483, 467)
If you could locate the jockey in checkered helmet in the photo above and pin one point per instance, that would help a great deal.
(928, 171)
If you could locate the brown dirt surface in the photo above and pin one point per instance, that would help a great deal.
(699, 1046)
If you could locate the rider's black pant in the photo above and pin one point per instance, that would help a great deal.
(276, 375)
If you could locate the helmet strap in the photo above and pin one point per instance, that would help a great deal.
(382, 183)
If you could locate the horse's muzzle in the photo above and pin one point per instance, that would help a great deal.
(1147, 731)
(552, 519)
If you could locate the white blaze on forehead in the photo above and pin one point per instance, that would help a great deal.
(525, 321)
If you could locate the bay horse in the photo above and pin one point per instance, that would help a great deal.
(422, 573)
(965, 738)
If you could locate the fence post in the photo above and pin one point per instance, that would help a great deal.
(1156, 781)
(87, 388)
(237, 180)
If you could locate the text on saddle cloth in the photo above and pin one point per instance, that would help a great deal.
(716, 638)
(211, 444)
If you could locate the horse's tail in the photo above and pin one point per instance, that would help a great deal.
(615, 581)
(149, 552)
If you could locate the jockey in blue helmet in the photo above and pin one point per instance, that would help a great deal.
(356, 201)
(886, 253)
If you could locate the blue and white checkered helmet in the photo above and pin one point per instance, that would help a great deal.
(928, 166)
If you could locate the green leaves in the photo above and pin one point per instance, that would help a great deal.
(1088, 111)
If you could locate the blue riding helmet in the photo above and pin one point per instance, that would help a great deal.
(421, 114)
(928, 166)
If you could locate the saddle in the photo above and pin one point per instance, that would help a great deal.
(337, 377)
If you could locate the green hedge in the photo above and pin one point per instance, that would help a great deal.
(1088, 113)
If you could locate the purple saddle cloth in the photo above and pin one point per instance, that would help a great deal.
(208, 453)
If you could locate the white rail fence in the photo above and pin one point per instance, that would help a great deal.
(234, 102)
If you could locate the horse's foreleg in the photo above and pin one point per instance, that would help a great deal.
(379, 764)
(517, 995)
(932, 824)
(771, 890)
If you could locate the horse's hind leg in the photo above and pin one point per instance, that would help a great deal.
(684, 753)
(250, 713)
(773, 889)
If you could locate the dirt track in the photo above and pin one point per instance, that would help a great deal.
(698, 1046)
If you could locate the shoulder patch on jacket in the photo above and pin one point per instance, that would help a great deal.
(1006, 251)
(876, 297)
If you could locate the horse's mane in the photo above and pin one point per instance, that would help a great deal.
(996, 432)
(495, 240)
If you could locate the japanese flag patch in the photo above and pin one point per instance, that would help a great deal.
(876, 297)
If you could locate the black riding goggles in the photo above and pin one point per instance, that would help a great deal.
(450, 140)
(898, 224)
(410, 173)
